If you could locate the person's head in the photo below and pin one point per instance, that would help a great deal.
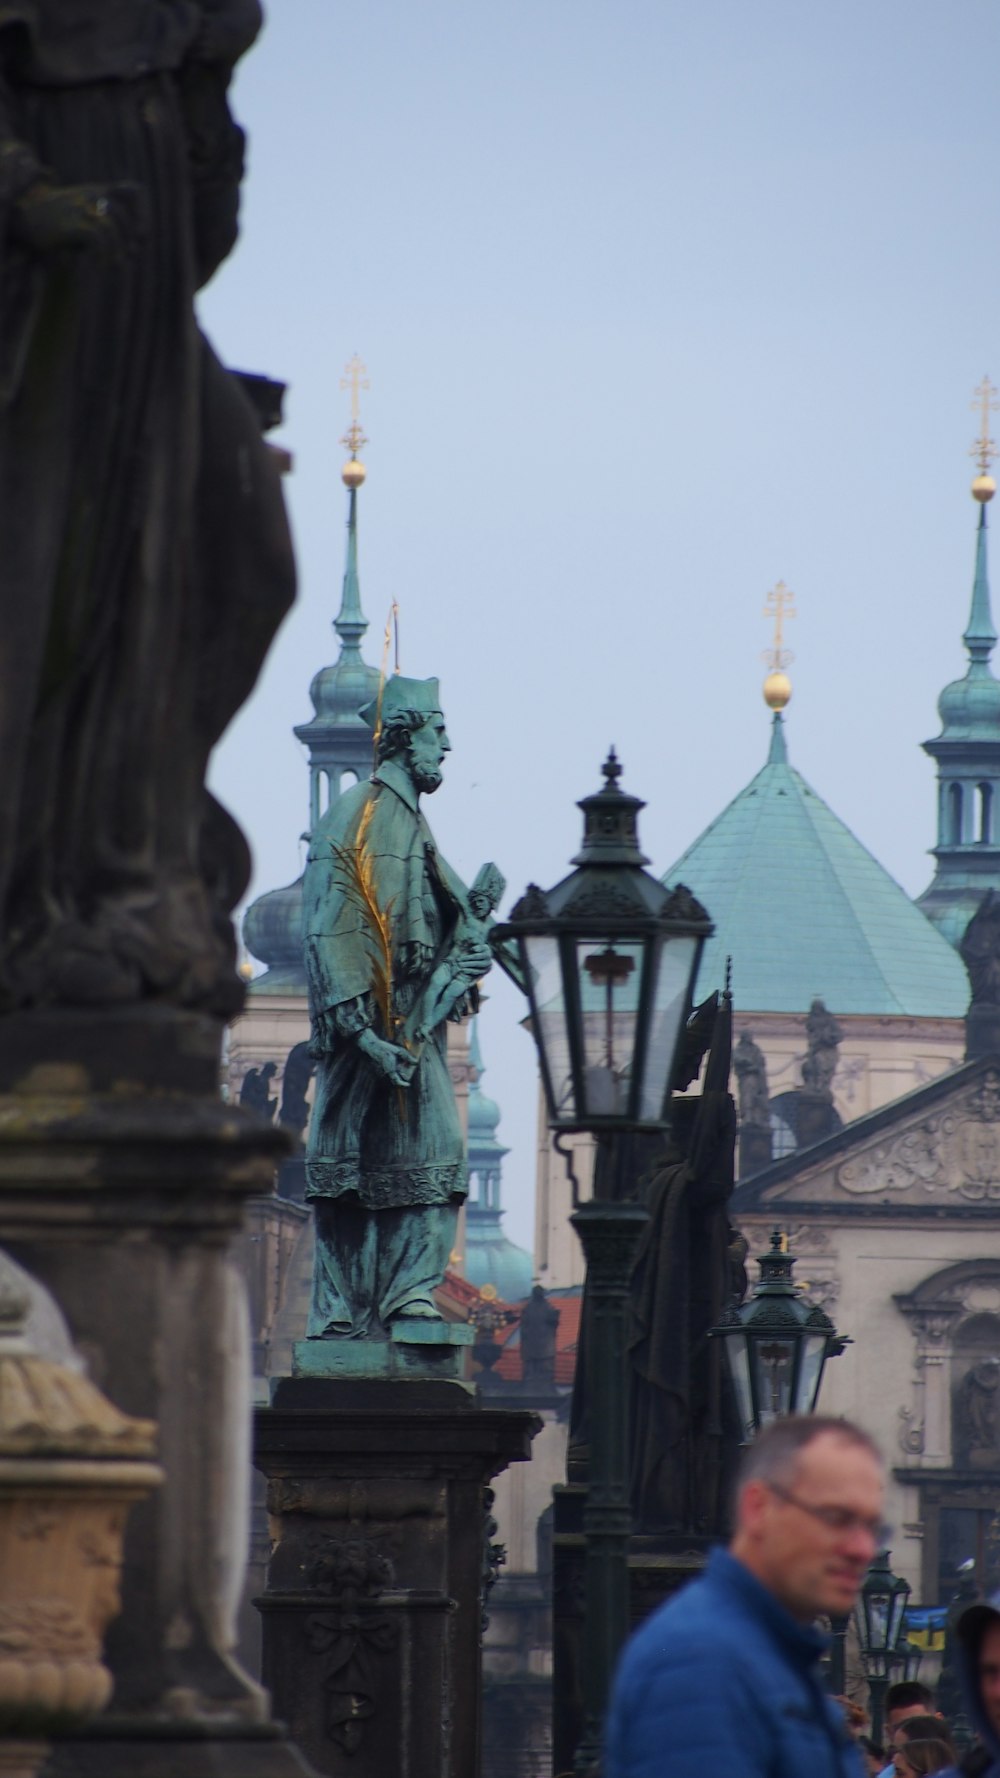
(907, 1698)
(809, 1512)
(921, 1746)
(419, 742)
(979, 1636)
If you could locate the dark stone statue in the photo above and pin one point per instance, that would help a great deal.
(539, 1327)
(823, 1035)
(393, 949)
(682, 1435)
(299, 1070)
(750, 1069)
(255, 1090)
(980, 951)
(146, 559)
(977, 1415)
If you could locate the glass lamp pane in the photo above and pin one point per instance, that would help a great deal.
(810, 1372)
(668, 1002)
(551, 1033)
(896, 1619)
(739, 1370)
(775, 1362)
(877, 1608)
(610, 976)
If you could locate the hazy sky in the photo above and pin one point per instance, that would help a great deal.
(659, 304)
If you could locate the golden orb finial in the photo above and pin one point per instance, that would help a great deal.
(983, 488)
(353, 473)
(245, 969)
(777, 690)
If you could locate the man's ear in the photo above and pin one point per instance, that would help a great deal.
(751, 1505)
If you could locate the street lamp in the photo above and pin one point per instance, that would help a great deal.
(776, 1345)
(608, 958)
(879, 1614)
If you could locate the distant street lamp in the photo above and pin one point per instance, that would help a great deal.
(879, 1616)
(776, 1345)
(609, 958)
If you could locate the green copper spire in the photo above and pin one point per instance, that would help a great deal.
(967, 751)
(980, 636)
(350, 622)
(778, 752)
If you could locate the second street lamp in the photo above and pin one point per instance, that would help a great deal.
(609, 958)
(879, 1614)
(776, 1345)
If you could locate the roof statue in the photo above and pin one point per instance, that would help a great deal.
(967, 751)
(799, 904)
(336, 737)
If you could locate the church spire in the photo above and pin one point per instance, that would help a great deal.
(967, 751)
(350, 622)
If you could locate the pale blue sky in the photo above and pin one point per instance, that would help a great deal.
(660, 304)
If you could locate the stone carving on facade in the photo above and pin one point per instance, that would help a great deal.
(351, 1634)
(255, 1090)
(750, 1068)
(911, 1433)
(955, 1153)
(953, 1419)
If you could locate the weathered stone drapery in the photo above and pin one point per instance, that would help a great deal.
(146, 558)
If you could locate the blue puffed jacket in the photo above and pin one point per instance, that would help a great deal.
(722, 1682)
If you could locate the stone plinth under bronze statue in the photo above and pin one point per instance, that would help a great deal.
(394, 947)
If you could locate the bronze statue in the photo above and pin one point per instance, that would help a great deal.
(146, 560)
(393, 949)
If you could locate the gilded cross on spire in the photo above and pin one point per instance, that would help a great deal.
(780, 606)
(985, 399)
(355, 378)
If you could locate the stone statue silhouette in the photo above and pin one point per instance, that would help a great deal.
(980, 951)
(823, 1035)
(393, 949)
(255, 1090)
(299, 1069)
(539, 1327)
(750, 1069)
(146, 560)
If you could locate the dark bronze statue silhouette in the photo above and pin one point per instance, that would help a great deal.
(146, 560)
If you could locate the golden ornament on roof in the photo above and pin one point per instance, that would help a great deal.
(777, 690)
(983, 488)
(353, 473)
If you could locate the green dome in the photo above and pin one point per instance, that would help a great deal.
(805, 911)
(339, 691)
(272, 932)
(969, 708)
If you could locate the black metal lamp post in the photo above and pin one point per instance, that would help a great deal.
(776, 1345)
(609, 958)
(879, 1614)
(909, 1656)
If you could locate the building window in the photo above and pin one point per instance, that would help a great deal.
(954, 814)
(985, 799)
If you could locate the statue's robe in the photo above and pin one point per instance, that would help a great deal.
(146, 559)
(391, 1146)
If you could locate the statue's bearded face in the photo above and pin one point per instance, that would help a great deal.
(428, 746)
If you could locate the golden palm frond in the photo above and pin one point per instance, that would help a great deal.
(358, 866)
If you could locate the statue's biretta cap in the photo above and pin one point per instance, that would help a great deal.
(399, 694)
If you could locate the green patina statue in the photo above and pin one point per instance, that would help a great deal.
(394, 947)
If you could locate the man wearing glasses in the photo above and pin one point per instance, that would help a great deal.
(724, 1679)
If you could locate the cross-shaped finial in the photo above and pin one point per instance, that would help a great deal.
(985, 399)
(780, 605)
(612, 770)
(355, 378)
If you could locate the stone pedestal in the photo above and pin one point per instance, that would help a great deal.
(372, 1614)
(122, 1179)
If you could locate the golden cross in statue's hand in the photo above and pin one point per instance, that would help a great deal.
(985, 399)
(780, 606)
(355, 378)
